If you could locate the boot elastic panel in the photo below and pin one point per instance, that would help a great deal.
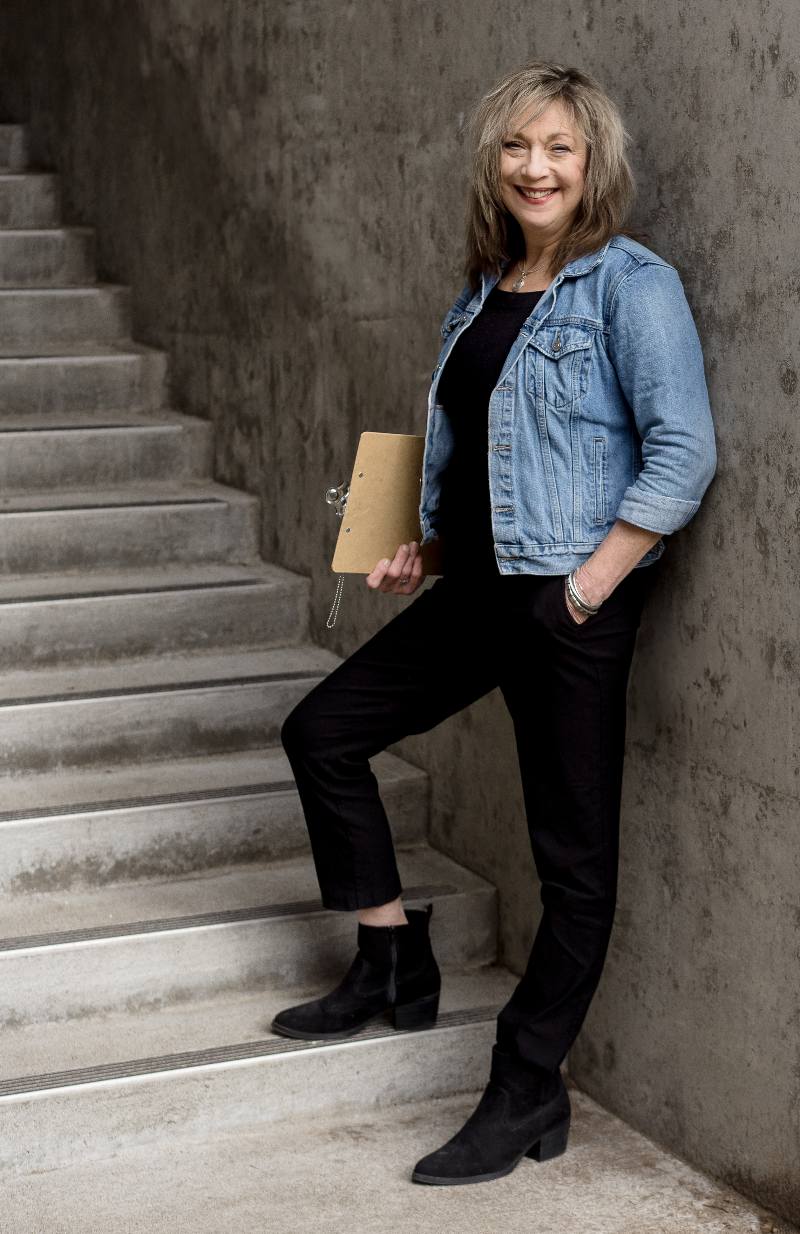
(518, 1076)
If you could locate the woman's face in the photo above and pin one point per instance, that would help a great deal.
(547, 154)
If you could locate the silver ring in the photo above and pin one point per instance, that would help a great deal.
(403, 580)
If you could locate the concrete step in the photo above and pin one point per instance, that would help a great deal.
(55, 257)
(71, 830)
(206, 1023)
(31, 199)
(330, 1172)
(59, 316)
(133, 946)
(160, 708)
(13, 147)
(83, 379)
(85, 451)
(247, 1077)
(55, 621)
(126, 526)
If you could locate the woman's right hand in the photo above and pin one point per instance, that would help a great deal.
(407, 564)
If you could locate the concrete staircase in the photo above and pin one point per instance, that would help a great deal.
(158, 902)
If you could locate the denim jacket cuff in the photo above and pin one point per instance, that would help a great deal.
(656, 513)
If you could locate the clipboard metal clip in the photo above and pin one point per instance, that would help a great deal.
(337, 497)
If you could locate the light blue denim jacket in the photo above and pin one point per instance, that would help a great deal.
(601, 412)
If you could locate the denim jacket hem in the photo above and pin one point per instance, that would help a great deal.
(552, 559)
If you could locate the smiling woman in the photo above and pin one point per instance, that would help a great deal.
(541, 174)
(530, 132)
(568, 432)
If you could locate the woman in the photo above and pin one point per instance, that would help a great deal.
(574, 345)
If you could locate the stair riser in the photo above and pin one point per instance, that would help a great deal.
(58, 633)
(101, 458)
(164, 841)
(132, 536)
(46, 259)
(13, 147)
(85, 383)
(29, 201)
(300, 952)
(55, 317)
(125, 729)
(96, 1121)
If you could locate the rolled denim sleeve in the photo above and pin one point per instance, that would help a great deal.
(655, 349)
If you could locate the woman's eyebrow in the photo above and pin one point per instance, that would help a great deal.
(550, 136)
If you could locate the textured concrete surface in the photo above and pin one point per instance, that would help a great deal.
(96, 378)
(46, 258)
(328, 1176)
(282, 187)
(223, 1018)
(59, 976)
(67, 1124)
(99, 825)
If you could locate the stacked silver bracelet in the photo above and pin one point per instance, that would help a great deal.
(578, 600)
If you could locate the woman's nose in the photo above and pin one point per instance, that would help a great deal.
(534, 165)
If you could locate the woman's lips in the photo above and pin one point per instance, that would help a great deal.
(535, 201)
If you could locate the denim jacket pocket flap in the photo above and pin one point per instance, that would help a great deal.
(453, 319)
(558, 341)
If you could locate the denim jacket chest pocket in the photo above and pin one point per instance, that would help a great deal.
(557, 364)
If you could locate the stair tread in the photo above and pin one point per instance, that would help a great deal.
(65, 293)
(229, 1017)
(60, 229)
(289, 884)
(134, 492)
(28, 173)
(162, 673)
(95, 421)
(62, 352)
(169, 779)
(25, 588)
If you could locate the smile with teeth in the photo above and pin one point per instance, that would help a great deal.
(535, 194)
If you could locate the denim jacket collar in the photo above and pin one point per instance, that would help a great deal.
(580, 265)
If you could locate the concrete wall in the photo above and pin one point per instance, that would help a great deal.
(281, 184)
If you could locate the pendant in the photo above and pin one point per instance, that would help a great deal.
(516, 286)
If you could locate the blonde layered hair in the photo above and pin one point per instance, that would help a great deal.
(493, 235)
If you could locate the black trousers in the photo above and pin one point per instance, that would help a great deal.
(565, 688)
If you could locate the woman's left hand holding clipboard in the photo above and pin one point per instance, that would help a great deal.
(401, 576)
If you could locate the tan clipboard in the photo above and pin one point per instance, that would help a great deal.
(382, 508)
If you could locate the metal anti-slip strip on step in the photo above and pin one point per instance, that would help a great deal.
(136, 427)
(167, 687)
(112, 592)
(162, 503)
(261, 912)
(220, 1054)
(158, 799)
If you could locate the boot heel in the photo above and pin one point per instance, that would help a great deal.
(551, 1145)
(421, 1014)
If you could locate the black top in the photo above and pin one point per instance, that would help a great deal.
(470, 375)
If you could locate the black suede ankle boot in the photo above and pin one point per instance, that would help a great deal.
(394, 969)
(523, 1112)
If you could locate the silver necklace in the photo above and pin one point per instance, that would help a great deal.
(516, 285)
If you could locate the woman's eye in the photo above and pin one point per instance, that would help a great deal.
(565, 148)
(512, 145)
